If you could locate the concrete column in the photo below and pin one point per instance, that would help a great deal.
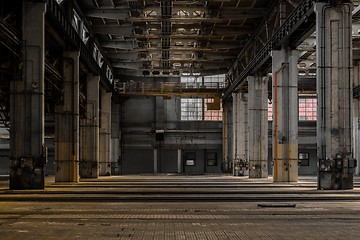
(230, 136)
(115, 139)
(27, 150)
(235, 133)
(155, 160)
(356, 119)
(179, 161)
(67, 123)
(243, 132)
(258, 126)
(89, 161)
(285, 115)
(105, 133)
(225, 137)
(334, 64)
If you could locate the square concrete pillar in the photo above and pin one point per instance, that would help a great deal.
(115, 139)
(243, 136)
(89, 126)
(356, 118)
(27, 149)
(225, 142)
(67, 126)
(285, 115)
(240, 118)
(105, 133)
(235, 133)
(227, 136)
(334, 82)
(258, 126)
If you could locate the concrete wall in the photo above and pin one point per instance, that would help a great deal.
(168, 160)
(312, 168)
(201, 161)
(137, 161)
(4, 161)
(142, 116)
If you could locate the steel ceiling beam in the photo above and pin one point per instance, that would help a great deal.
(298, 26)
(134, 46)
(184, 31)
(119, 14)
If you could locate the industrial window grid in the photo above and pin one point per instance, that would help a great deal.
(195, 109)
(191, 109)
(270, 113)
(214, 78)
(307, 108)
(191, 81)
(212, 115)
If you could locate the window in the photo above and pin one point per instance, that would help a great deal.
(191, 81)
(150, 13)
(214, 78)
(211, 159)
(85, 35)
(76, 21)
(201, 109)
(183, 13)
(212, 115)
(196, 109)
(304, 159)
(95, 52)
(191, 109)
(198, 13)
(190, 159)
(214, 81)
(307, 108)
(270, 113)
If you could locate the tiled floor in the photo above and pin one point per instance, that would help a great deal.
(178, 207)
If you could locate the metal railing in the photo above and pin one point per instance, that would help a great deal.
(167, 88)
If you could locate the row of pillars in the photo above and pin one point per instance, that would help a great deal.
(78, 140)
(82, 140)
(335, 117)
(250, 122)
(82, 145)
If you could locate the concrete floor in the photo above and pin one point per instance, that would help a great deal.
(180, 207)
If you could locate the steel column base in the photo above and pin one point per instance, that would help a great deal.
(335, 181)
(89, 169)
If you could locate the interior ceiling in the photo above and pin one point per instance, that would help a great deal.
(170, 38)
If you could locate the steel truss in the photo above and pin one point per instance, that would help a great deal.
(296, 28)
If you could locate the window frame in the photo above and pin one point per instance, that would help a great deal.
(304, 161)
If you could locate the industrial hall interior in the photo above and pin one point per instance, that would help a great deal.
(179, 119)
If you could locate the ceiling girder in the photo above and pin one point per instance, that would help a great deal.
(197, 36)
(297, 26)
(175, 45)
